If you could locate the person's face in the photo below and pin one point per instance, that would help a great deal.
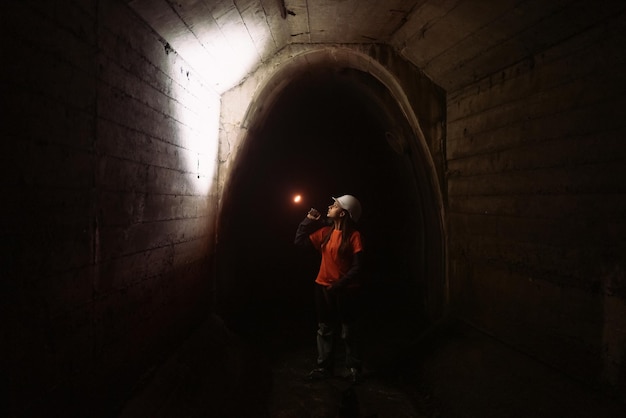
(335, 211)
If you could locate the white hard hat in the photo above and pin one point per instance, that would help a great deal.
(351, 204)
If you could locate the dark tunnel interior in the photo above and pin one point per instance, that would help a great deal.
(325, 136)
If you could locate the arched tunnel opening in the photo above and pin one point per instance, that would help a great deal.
(328, 133)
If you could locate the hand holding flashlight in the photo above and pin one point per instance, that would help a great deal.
(313, 214)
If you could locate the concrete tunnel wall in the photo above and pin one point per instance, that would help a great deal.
(110, 229)
(108, 236)
(535, 213)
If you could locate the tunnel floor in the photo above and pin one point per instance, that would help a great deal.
(452, 371)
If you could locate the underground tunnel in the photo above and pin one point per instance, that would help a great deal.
(152, 150)
(329, 132)
(325, 136)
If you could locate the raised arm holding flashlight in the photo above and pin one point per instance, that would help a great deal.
(314, 214)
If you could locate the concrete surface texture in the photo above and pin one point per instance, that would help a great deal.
(450, 371)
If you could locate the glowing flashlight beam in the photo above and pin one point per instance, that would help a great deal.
(297, 198)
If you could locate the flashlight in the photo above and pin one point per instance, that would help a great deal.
(314, 213)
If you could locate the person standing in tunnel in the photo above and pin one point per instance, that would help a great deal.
(337, 283)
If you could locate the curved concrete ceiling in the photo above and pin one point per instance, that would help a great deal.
(454, 42)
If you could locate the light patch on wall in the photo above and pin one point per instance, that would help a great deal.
(215, 45)
(221, 40)
(226, 57)
(217, 57)
(197, 112)
(207, 147)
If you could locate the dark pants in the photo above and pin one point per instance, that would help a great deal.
(337, 310)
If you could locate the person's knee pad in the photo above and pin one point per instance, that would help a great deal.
(346, 331)
(324, 329)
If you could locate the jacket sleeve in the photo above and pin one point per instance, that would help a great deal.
(352, 275)
(306, 228)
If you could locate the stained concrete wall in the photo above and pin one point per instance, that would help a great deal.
(535, 166)
(107, 221)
